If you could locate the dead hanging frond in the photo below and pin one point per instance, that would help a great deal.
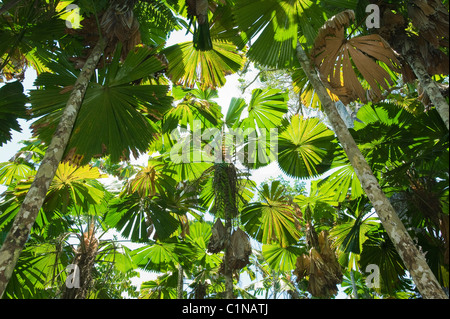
(84, 260)
(431, 19)
(335, 24)
(218, 238)
(119, 24)
(336, 56)
(321, 267)
(432, 22)
(240, 250)
(312, 239)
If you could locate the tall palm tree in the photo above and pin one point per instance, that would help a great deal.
(73, 208)
(430, 20)
(247, 12)
(412, 257)
(18, 234)
(117, 25)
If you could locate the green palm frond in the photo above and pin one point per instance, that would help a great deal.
(273, 219)
(308, 95)
(117, 117)
(11, 172)
(150, 180)
(72, 185)
(187, 66)
(136, 218)
(196, 105)
(162, 256)
(12, 107)
(277, 25)
(156, 21)
(232, 118)
(199, 235)
(266, 109)
(379, 250)
(350, 236)
(319, 204)
(281, 258)
(343, 181)
(305, 148)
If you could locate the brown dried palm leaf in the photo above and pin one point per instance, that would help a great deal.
(311, 236)
(335, 56)
(334, 272)
(317, 280)
(432, 20)
(85, 256)
(218, 238)
(302, 267)
(119, 24)
(323, 275)
(434, 60)
(321, 267)
(240, 250)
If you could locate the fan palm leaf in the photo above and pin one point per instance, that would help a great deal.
(277, 25)
(13, 171)
(281, 258)
(187, 66)
(116, 117)
(72, 185)
(12, 107)
(307, 93)
(273, 219)
(334, 55)
(305, 147)
(162, 256)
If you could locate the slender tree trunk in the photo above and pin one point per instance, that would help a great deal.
(275, 279)
(429, 86)
(354, 288)
(20, 230)
(227, 269)
(180, 282)
(414, 260)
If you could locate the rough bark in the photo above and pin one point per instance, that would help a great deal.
(228, 273)
(20, 230)
(413, 259)
(84, 260)
(180, 282)
(430, 87)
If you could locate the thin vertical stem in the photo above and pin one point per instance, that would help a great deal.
(413, 259)
(24, 221)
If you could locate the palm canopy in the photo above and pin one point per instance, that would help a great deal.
(128, 111)
(277, 25)
(131, 100)
(12, 107)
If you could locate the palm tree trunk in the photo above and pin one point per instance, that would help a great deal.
(180, 282)
(20, 230)
(429, 86)
(354, 288)
(275, 279)
(414, 260)
(228, 273)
